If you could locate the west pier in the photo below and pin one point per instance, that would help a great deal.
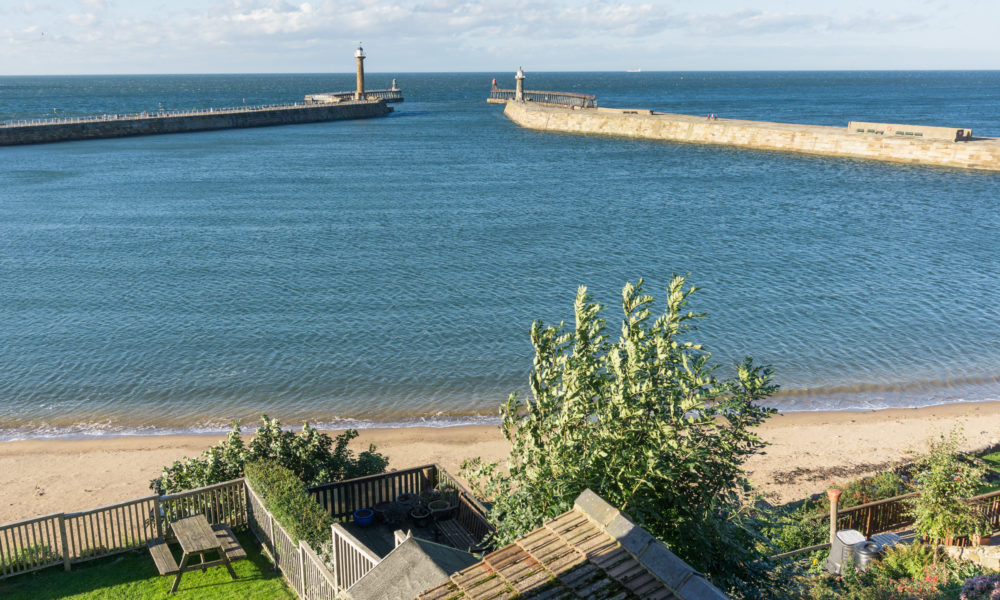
(331, 106)
(912, 144)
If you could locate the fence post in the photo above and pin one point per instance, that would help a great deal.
(270, 539)
(64, 538)
(336, 559)
(833, 494)
(302, 571)
(157, 518)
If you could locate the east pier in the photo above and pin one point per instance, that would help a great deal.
(912, 144)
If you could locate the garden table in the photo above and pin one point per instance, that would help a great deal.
(196, 536)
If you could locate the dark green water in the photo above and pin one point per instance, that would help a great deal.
(387, 271)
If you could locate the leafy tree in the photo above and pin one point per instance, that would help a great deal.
(944, 482)
(312, 456)
(645, 423)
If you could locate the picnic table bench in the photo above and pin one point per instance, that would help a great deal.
(456, 536)
(196, 536)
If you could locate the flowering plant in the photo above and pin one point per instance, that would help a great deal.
(944, 482)
(981, 587)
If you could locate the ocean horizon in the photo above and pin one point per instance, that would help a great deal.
(385, 272)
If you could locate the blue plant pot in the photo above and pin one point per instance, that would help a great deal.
(363, 517)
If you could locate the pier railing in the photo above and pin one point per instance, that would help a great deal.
(157, 114)
(389, 95)
(560, 98)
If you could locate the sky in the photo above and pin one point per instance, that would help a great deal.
(287, 36)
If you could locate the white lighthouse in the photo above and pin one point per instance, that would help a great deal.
(519, 90)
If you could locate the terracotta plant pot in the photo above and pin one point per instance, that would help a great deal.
(380, 509)
(430, 495)
(421, 516)
(442, 510)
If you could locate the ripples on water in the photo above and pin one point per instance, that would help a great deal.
(387, 271)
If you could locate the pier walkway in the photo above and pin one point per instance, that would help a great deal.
(912, 144)
(39, 131)
(150, 115)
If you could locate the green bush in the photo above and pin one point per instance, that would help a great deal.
(312, 456)
(644, 422)
(285, 496)
(907, 560)
(808, 523)
(799, 528)
(944, 482)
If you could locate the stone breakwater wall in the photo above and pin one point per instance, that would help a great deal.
(41, 133)
(977, 153)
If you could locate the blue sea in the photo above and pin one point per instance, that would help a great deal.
(386, 271)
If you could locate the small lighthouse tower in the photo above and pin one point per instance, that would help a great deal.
(359, 55)
(519, 91)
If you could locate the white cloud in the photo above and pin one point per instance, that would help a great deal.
(82, 19)
(247, 32)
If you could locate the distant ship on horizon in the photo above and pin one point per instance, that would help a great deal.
(633, 70)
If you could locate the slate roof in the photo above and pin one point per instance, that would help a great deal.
(411, 567)
(590, 552)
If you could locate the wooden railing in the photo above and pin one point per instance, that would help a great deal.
(314, 573)
(891, 513)
(341, 498)
(351, 559)
(304, 569)
(471, 513)
(561, 98)
(70, 538)
(876, 517)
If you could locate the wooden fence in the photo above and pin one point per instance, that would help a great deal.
(70, 538)
(314, 573)
(876, 517)
(471, 513)
(303, 567)
(341, 498)
(890, 514)
(351, 559)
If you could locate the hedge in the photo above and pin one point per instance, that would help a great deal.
(286, 497)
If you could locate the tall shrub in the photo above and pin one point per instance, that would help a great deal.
(944, 483)
(313, 457)
(287, 499)
(645, 423)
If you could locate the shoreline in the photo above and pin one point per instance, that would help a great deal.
(808, 452)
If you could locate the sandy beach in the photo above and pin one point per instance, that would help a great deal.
(808, 452)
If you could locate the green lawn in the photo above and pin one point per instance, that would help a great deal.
(993, 461)
(133, 576)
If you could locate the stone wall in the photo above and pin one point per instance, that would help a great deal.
(987, 556)
(152, 125)
(982, 153)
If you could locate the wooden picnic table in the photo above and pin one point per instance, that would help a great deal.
(196, 536)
